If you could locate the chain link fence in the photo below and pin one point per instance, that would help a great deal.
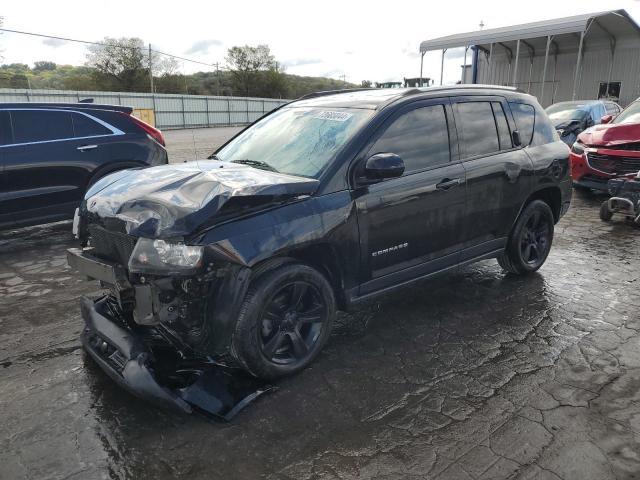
(171, 111)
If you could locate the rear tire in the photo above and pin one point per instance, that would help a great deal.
(285, 320)
(530, 241)
(605, 213)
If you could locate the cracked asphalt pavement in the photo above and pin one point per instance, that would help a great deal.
(474, 375)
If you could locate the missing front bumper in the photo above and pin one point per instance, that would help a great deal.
(216, 390)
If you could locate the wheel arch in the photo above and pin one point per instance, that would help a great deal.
(321, 257)
(551, 195)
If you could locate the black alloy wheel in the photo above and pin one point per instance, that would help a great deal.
(285, 320)
(535, 239)
(530, 241)
(291, 323)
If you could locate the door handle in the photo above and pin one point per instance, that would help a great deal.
(447, 183)
(84, 148)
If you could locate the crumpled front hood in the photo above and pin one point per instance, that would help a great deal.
(607, 135)
(174, 200)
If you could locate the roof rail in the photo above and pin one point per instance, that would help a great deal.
(324, 93)
(68, 106)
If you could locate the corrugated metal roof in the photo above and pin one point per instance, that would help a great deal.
(556, 26)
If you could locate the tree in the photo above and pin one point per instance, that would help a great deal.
(43, 66)
(123, 61)
(245, 63)
(365, 84)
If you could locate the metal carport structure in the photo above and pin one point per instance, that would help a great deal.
(608, 41)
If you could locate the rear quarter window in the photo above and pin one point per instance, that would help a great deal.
(84, 126)
(532, 124)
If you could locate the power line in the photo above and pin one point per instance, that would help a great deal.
(87, 42)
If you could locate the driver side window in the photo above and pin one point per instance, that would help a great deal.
(420, 137)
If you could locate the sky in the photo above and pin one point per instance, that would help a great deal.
(359, 40)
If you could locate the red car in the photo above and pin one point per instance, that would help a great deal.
(608, 150)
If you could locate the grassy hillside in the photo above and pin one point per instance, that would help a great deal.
(48, 75)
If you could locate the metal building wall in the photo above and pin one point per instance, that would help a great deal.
(560, 72)
(171, 111)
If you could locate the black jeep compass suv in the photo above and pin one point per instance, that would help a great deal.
(328, 201)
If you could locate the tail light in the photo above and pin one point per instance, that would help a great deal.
(153, 132)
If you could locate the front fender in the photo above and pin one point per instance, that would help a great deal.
(249, 241)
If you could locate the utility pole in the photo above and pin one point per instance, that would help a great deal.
(150, 70)
(217, 65)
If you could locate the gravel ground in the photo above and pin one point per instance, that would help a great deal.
(475, 375)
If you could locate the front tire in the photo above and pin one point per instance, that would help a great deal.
(285, 320)
(530, 241)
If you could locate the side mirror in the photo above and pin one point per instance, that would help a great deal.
(606, 119)
(383, 165)
(515, 138)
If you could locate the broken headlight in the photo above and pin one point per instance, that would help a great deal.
(160, 256)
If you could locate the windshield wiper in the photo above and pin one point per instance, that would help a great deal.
(256, 164)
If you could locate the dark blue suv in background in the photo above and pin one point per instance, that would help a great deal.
(51, 153)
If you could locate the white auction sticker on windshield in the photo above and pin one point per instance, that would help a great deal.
(335, 116)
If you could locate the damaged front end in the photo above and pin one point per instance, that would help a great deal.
(151, 335)
(163, 330)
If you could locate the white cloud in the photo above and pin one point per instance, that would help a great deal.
(54, 42)
(202, 47)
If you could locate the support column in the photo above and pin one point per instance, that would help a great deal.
(442, 65)
(555, 74)
(421, 63)
(544, 70)
(464, 65)
(578, 65)
(489, 76)
(515, 65)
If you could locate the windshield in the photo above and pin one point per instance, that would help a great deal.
(567, 111)
(295, 140)
(631, 114)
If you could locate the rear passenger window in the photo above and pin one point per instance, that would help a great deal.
(41, 125)
(420, 137)
(504, 135)
(479, 132)
(5, 128)
(83, 126)
(524, 115)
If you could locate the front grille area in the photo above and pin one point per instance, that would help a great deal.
(625, 146)
(614, 164)
(114, 246)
